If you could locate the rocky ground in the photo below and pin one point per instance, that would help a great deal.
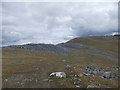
(76, 79)
(90, 62)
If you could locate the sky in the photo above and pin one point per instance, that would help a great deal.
(55, 22)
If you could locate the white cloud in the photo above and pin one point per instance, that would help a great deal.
(56, 22)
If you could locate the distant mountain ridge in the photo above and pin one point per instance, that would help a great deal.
(49, 48)
(64, 48)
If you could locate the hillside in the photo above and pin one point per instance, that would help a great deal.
(84, 60)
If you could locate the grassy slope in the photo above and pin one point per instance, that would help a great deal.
(38, 66)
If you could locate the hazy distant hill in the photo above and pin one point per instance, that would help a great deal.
(49, 48)
(30, 65)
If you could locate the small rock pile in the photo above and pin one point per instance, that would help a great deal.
(76, 82)
(108, 75)
(104, 74)
(72, 75)
(75, 78)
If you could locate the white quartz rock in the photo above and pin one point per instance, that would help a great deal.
(58, 74)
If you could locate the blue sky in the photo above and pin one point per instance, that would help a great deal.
(53, 23)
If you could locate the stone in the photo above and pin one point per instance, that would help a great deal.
(6, 80)
(86, 74)
(68, 66)
(90, 86)
(87, 68)
(94, 72)
(36, 80)
(77, 86)
(76, 75)
(92, 69)
(100, 71)
(108, 75)
(50, 80)
(71, 75)
(76, 82)
(63, 60)
(45, 79)
(76, 79)
(58, 74)
(49, 77)
(80, 75)
(18, 82)
(116, 68)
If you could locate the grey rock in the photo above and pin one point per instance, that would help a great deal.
(116, 68)
(90, 86)
(94, 72)
(67, 66)
(71, 75)
(77, 79)
(108, 75)
(77, 82)
(77, 86)
(28, 79)
(6, 80)
(80, 75)
(46, 79)
(86, 74)
(101, 71)
(50, 80)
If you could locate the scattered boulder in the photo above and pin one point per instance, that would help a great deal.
(58, 74)
(108, 75)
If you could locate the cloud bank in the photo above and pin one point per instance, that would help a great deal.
(53, 23)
